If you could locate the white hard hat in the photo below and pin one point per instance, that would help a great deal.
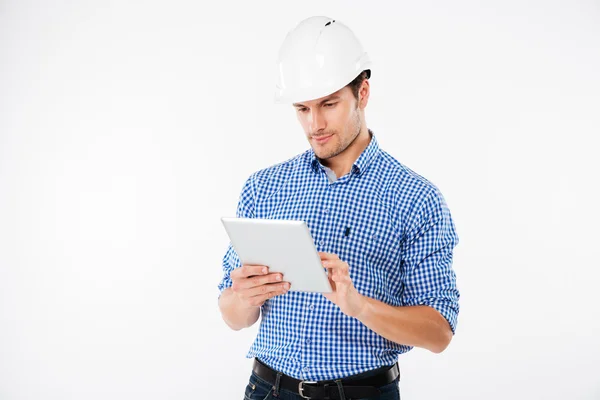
(318, 57)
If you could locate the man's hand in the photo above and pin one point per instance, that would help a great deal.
(253, 284)
(344, 295)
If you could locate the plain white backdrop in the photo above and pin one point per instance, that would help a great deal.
(128, 128)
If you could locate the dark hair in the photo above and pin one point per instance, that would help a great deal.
(357, 82)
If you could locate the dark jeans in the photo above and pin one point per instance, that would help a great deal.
(258, 389)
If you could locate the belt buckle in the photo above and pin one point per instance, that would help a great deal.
(300, 388)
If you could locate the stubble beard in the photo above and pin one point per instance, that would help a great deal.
(344, 144)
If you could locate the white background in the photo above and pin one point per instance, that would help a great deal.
(128, 128)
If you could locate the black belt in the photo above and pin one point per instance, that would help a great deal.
(356, 386)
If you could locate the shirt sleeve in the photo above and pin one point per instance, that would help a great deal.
(245, 209)
(427, 250)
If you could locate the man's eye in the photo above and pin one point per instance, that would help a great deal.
(330, 104)
(303, 109)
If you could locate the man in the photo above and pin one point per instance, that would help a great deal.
(383, 232)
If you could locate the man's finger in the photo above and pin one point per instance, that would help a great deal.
(337, 265)
(260, 280)
(328, 256)
(341, 278)
(260, 299)
(331, 282)
(247, 270)
(268, 288)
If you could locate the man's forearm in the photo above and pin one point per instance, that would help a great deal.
(420, 326)
(234, 313)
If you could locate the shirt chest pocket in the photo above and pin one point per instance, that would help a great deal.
(372, 252)
(361, 240)
(372, 236)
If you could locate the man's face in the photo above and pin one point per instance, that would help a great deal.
(331, 123)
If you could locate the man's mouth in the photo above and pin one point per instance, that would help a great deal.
(321, 139)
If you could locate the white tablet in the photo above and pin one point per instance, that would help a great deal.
(285, 246)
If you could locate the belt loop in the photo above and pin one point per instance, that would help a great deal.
(276, 387)
(341, 389)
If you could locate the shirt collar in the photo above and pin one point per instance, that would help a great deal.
(360, 165)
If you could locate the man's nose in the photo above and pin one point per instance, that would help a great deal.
(317, 122)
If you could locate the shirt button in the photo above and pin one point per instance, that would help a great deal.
(321, 242)
(311, 307)
(307, 341)
(325, 211)
(305, 369)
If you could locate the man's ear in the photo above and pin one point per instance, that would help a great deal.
(363, 94)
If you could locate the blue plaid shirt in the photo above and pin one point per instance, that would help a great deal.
(391, 225)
